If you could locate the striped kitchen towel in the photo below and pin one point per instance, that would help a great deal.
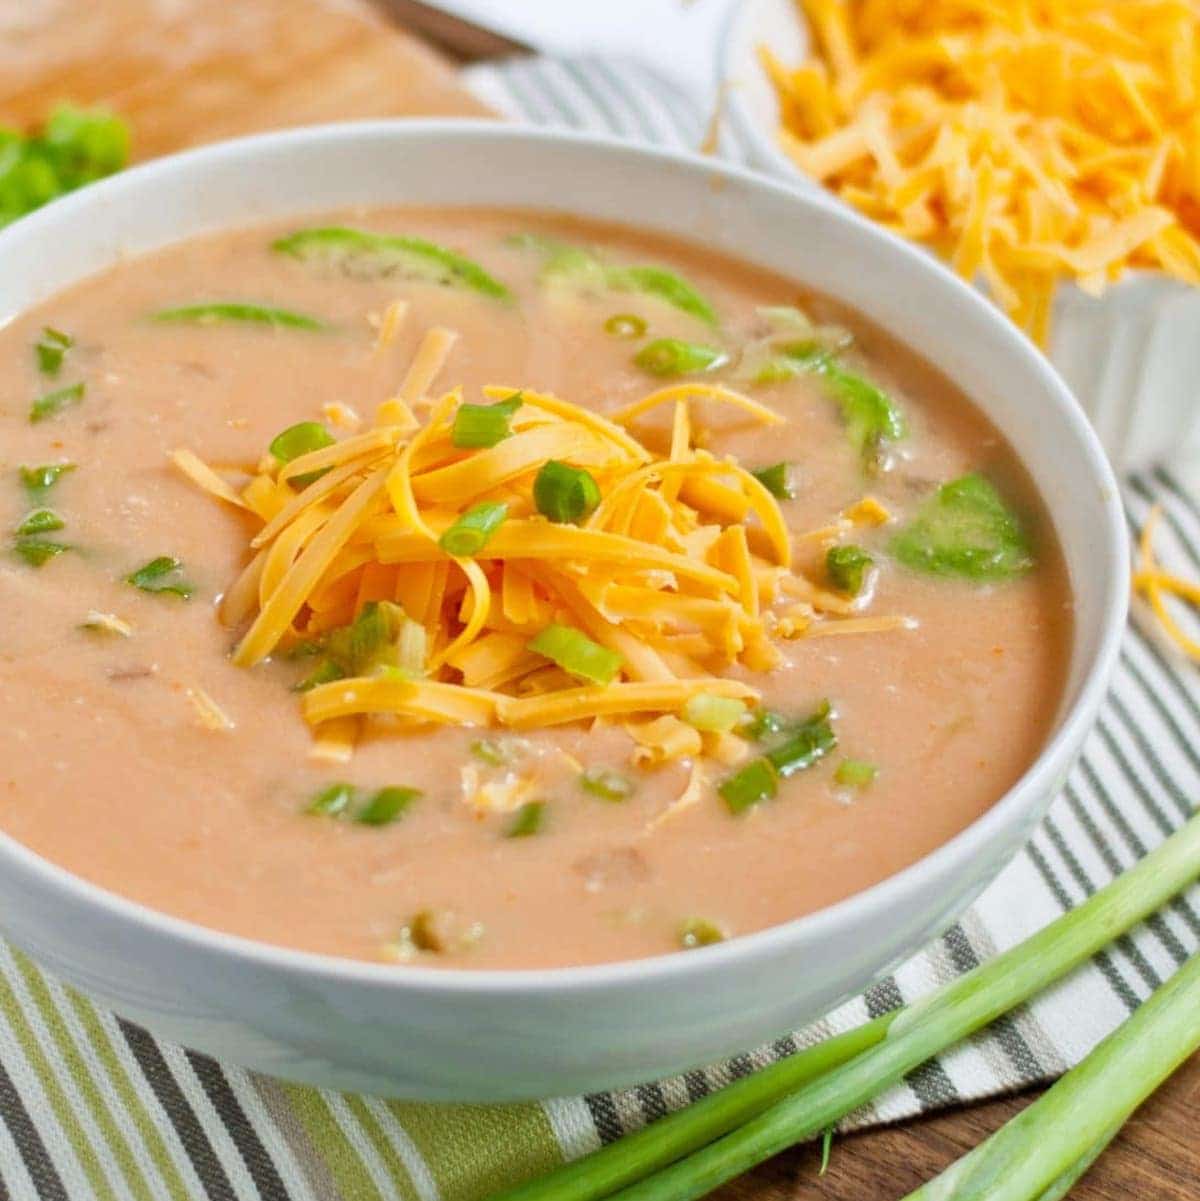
(94, 1107)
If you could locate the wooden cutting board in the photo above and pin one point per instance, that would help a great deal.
(192, 71)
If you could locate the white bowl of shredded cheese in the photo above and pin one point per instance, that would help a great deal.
(1130, 351)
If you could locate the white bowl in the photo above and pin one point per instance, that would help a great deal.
(433, 1034)
(1131, 356)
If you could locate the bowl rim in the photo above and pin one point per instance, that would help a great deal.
(669, 968)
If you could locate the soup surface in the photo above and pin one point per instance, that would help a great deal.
(935, 621)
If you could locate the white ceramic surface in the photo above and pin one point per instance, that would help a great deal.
(1132, 356)
(421, 1032)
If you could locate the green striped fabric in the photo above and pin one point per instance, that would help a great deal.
(94, 1107)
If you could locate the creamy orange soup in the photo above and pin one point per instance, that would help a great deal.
(821, 725)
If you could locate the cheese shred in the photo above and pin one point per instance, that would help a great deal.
(671, 581)
(1026, 143)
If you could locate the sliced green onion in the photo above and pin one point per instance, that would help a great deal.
(715, 713)
(847, 567)
(763, 724)
(581, 268)
(75, 146)
(871, 417)
(300, 439)
(332, 801)
(412, 648)
(38, 551)
(40, 521)
(564, 493)
(965, 529)
(777, 479)
(577, 654)
(218, 312)
(37, 481)
(51, 349)
(606, 784)
(699, 932)
(386, 806)
(474, 529)
(856, 773)
(625, 325)
(499, 752)
(364, 254)
(663, 284)
(53, 403)
(325, 672)
(757, 781)
(671, 356)
(162, 575)
(527, 820)
(804, 746)
(482, 426)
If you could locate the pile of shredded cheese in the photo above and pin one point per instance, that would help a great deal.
(1025, 140)
(685, 569)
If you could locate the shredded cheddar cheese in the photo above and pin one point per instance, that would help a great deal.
(671, 579)
(1025, 142)
(1152, 582)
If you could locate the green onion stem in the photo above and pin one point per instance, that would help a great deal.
(678, 1134)
(474, 529)
(927, 1027)
(1049, 1138)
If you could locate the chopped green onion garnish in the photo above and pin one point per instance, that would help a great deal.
(481, 426)
(300, 439)
(332, 801)
(855, 773)
(715, 713)
(777, 479)
(37, 551)
(364, 254)
(699, 932)
(757, 781)
(665, 285)
(803, 746)
(412, 647)
(498, 752)
(564, 493)
(606, 784)
(162, 575)
(577, 654)
(386, 806)
(37, 481)
(671, 356)
(581, 268)
(490, 751)
(472, 531)
(812, 740)
(847, 567)
(527, 820)
(51, 348)
(40, 521)
(871, 417)
(53, 403)
(325, 672)
(763, 724)
(75, 146)
(221, 311)
(625, 325)
(965, 529)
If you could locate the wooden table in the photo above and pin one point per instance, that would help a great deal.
(191, 71)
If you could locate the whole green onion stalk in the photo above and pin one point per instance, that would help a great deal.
(692, 1152)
